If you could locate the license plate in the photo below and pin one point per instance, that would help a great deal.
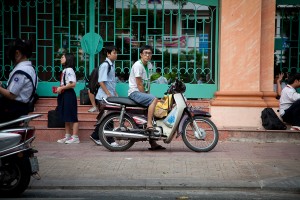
(34, 164)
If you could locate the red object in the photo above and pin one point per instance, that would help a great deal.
(54, 89)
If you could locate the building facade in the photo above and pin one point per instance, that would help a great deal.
(222, 49)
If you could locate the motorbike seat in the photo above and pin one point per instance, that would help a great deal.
(124, 101)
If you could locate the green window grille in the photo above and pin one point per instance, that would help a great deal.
(184, 36)
(287, 37)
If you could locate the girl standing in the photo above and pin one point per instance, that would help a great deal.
(67, 100)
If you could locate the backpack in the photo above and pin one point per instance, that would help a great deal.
(34, 96)
(270, 121)
(93, 83)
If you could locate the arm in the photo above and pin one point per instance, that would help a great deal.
(139, 83)
(104, 88)
(278, 82)
(6, 93)
(70, 80)
(65, 87)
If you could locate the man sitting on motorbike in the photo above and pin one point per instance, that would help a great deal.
(139, 87)
(21, 84)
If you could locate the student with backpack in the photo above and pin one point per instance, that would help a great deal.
(106, 86)
(20, 88)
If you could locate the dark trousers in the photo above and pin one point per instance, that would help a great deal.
(95, 133)
(11, 109)
(292, 114)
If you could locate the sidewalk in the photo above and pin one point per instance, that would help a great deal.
(231, 165)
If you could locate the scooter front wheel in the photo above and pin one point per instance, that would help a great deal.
(15, 176)
(200, 135)
(112, 123)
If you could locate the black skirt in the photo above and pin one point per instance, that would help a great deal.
(67, 106)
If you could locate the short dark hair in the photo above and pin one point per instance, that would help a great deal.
(293, 77)
(146, 47)
(108, 49)
(24, 46)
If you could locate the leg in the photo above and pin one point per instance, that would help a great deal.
(93, 102)
(151, 109)
(292, 114)
(74, 139)
(68, 127)
(75, 129)
(92, 98)
(295, 109)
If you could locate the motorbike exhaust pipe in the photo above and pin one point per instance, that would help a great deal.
(124, 135)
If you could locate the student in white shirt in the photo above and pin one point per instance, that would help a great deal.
(21, 84)
(290, 102)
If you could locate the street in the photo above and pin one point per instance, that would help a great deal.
(158, 194)
(233, 170)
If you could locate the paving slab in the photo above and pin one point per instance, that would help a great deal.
(231, 166)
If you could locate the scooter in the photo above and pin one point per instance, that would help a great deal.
(17, 160)
(125, 121)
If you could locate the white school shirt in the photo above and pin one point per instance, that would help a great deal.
(288, 96)
(138, 70)
(20, 85)
(69, 75)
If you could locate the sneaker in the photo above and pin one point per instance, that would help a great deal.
(295, 128)
(73, 140)
(114, 144)
(93, 109)
(62, 141)
(97, 142)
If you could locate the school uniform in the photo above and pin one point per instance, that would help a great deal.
(67, 100)
(22, 88)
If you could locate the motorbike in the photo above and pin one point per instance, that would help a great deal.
(125, 121)
(17, 160)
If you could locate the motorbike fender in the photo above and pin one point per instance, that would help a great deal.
(186, 117)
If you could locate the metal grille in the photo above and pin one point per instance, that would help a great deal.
(183, 35)
(287, 39)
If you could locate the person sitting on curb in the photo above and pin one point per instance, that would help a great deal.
(290, 102)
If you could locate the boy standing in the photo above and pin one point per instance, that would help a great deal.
(107, 82)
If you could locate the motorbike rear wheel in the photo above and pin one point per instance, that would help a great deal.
(110, 123)
(14, 177)
(200, 144)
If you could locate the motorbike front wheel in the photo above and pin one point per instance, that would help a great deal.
(204, 143)
(112, 123)
(14, 177)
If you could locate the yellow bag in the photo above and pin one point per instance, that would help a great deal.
(162, 108)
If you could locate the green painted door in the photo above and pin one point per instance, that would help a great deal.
(184, 37)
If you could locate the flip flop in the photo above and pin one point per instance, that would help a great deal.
(158, 147)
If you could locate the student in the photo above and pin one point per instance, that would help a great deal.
(139, 87)
(290, 102)
(21, 84)
(107, 82)
(67, 100)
